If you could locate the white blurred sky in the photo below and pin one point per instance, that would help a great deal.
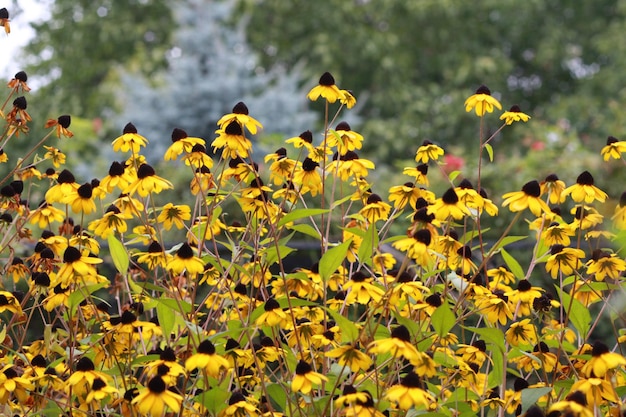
(21, 32)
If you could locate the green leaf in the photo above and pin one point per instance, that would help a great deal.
(77, 296)
(273, 253)
(215, 399)
(332, 259)
(167, 319)
(578, 314)
(306, 229)
(299, 214)
(453, 175)
(489, 150)
(443, 320)
(507, 241)
(119, 254)
(349, 331)
(278, 396)
(512, 264)
(530, 396)
(369, 244)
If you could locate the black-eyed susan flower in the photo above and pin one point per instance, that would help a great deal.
(428, 151)
(98, 396)
(119, 177)
(62, 124)
(55, 155)
(494, 307)
(575, 405)
(614, 148)
(155, 398)
(113, 221)
(305, 139)
(558, 234)
(554, 187)
(619, 215)
(185, 260)
(527, 198)
(398, 344)
(351, 356)
(585, 217)
(602, 361)
(482, 102)
(409, 393)
(401, 195)
(604, 264)
(174, 215)
(181, 143)
(3, 156)
(514, 114)
(5, 21)
(350, 165)
(282, 168)
(82, 379)
(130, 140)
(147, 182)
(564, 260)
(272, 315)
(241, 115)
(232, 142)
(584, 190)
(18, 82)
(8, 302)
(448, 206)
(240, 406)
(166, 367)
(539, 358)
(326, 89)
(305, 378)
(308, 178)
(76, 264)
(207, 360)
(154, 256)
(375, 209)
(597, 390)
(12, 384)
(522, 333)
(344, 138)
(348, 100)
(522, 298)
(66, 184)
(18, 115)
(82, 199)
(45, 215)
(361, 289)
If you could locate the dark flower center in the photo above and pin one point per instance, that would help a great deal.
(450, 196)
(240, 108)
(532, 189)
(584, 179)
(145, 171)
(178, 134)
(206, 348)
(327, 79)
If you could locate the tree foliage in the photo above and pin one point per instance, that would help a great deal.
(416, 61)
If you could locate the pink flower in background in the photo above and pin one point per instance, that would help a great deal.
(452, 163)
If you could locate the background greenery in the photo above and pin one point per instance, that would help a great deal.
(410, 64)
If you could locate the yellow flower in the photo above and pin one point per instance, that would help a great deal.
(45, 215)
(597, 390)
(558, 234)
(375, 209)
(564, 260)
(181, 143)
(154, 257)
(362, 290)
(514, 115)
(521, 333)
(240, 115)
(272, 314)
(398, 345)
(409, 394)
(494, 308)
(308, 178)
(147, 182)
(351, 356)
(326, 89)
(554, 187)
(153, 399)
(174, 215)
(614, 148)
(240, 406)
(448, 206)
(305, 139)
(603, 264)
(585, 217)
(305, 378)
(418, 173)
(527, 198)
(112, 221)
(130, 140)
(575, 405)
(602, 361)
(428, 151)
(184, 260)
(619, 216)
(56, 156)
(348, 100)
(66, 184)
(482, 102)
(584, 190)
(400, 195)
(207, 360)
(8, 302)
(232, 142)
(344, 138)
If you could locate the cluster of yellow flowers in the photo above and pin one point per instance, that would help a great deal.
(214, 324)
